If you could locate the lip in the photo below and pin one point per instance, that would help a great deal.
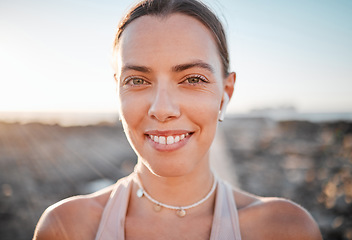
(168, 147)
(167, 132)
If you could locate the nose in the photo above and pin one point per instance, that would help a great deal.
(164, 106)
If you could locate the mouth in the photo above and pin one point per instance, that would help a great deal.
(168, 140)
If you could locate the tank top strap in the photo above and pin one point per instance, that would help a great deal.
(112, 223)
(225, 219)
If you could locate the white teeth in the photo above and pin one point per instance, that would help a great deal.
(168, 139)
(162, 140)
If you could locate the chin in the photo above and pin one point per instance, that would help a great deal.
(169, 169)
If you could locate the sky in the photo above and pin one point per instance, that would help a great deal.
(56, 55)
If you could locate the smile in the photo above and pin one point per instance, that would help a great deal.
(167, 140)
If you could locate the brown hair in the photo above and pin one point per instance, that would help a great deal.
(193, 8)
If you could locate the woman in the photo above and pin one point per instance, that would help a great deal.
(171, 68)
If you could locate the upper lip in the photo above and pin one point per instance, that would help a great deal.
(167, 132)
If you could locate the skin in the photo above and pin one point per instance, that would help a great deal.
(170, 83)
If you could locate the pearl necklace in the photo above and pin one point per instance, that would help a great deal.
(180, 211)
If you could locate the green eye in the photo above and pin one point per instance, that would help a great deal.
(193, 80)
(137, 81)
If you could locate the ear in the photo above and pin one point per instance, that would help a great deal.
(117, 83)
(229, 84)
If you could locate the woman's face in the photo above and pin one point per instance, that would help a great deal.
(171, 88)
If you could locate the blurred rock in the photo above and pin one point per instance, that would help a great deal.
(310, 163)
(95, 185)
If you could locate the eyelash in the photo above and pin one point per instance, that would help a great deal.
(201, 79)
(128, 81)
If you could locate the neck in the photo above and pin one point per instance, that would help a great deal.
(180, 190)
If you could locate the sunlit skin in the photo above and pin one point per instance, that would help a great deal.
(171, 83)
(170, 86)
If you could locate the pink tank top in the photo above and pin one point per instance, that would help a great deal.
(225, 220)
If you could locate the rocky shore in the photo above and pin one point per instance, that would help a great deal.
(306, 162)
(309, 163)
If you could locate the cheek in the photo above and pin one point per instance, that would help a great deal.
(204, 106)
(132, 107)
(204, 114)
(132, 112)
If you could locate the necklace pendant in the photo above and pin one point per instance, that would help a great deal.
(140, 193)
(181, 212)
(157, 207)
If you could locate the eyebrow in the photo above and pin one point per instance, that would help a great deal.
(198, 64)
(136, 68)
(176, 68)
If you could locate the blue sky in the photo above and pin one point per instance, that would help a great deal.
(55, 55)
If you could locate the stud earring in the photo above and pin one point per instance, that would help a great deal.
(223, 108)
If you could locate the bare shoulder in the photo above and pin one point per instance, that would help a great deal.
(73, 218)
(274, 218)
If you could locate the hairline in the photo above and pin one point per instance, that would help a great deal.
(214, 26)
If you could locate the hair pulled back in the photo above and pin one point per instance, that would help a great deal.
(193, 8)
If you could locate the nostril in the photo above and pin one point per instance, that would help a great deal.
(164, 108)
(163, 118)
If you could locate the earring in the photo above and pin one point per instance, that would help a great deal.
(223, 108)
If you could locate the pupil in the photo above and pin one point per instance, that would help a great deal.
(193, 80)
(137, 81)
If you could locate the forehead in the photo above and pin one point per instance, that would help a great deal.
(173, 39)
